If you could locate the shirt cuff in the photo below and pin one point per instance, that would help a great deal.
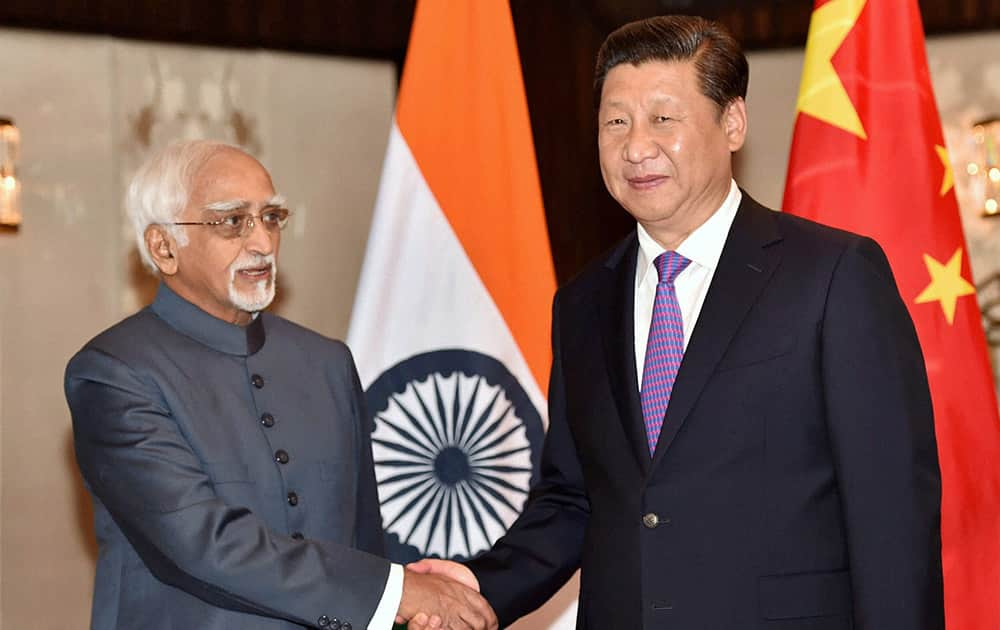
(385, 614)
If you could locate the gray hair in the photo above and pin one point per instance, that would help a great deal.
(160, 189)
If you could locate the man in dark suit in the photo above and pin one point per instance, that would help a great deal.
(227, 449)
(741, 433)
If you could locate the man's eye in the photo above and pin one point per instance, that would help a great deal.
(273, 217)
(615, 122)
(233, 220)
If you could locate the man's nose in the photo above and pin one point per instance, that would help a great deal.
(258, 239)
(639, 145)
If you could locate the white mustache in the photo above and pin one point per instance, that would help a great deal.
(253, 261)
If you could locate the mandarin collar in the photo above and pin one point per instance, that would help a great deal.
(188, 319)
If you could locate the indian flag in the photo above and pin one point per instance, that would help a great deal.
(451, 321)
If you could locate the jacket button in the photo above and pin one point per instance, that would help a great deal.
(345, 626)
(336, 625)
(281, 456)
(257, 380)
(651, 520)
(323, 621)
(267, 420)
(297, 536)
(293, 499)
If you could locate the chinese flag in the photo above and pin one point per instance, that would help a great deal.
(868, 156)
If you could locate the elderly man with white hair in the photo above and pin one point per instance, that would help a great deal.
(227, 449)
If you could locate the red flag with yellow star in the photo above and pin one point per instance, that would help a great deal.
(868, 156)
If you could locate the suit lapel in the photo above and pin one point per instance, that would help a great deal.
(618, 337)
(745, 267)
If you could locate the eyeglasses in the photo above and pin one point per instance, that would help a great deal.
(239, 224)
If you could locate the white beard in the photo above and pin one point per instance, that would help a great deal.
(258, 298)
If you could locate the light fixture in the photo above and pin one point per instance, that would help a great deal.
(984, 172)
(10, 187)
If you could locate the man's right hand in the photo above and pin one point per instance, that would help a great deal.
(433, 601)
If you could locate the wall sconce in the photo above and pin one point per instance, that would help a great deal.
(10, 187)
(984, 173)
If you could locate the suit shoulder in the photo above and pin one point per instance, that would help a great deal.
(585, 282)
(126, 335)
(324, 355)
(310, 340)
(818, 234)
(817, 240)
(124, 345)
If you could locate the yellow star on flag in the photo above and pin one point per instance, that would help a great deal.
(947, 284)
(822, 94)
(949, 177)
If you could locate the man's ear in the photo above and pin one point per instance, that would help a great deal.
(734, 117)
(162, 249)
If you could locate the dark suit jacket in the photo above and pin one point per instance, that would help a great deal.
(231, 473)
(795, 484)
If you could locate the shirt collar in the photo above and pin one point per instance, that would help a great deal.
(703, 246)
(188, 319)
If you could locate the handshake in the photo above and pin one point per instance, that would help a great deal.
(443, 594)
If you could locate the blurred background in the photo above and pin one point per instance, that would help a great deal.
(93, 87)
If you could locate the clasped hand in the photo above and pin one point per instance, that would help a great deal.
(441, 594)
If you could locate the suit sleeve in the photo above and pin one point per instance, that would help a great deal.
(370, 536)
(881, 428)
(139, 465)
(542, 549)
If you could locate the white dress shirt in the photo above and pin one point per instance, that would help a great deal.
(702, 247)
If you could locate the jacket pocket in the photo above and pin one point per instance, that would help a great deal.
(746, 352)
(805, 595)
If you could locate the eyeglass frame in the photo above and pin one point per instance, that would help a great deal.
(249, 221)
